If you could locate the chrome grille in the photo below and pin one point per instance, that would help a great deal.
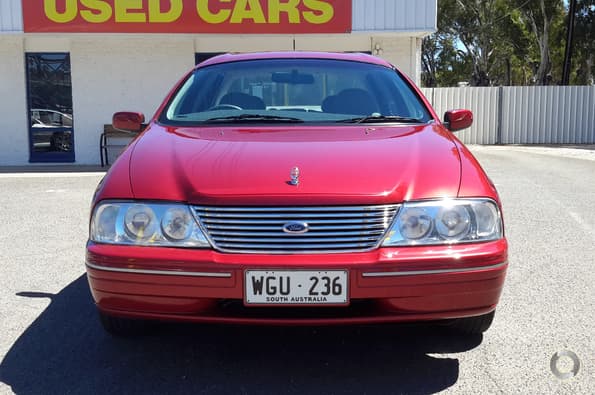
(261, 229)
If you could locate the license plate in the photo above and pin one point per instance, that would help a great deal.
(295, 287)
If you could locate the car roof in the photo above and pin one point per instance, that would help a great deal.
(238, 57)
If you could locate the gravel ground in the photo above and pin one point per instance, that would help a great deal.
(51, 342)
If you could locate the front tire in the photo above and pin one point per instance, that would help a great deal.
(473, 325)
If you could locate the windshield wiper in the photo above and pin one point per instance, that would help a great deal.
(381, 118)
(254, 118)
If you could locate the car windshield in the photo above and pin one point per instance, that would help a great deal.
(294, 91)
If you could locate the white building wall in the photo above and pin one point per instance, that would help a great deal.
(14, 140)
(117, 74)
(400, 51)
(242, 43)
(113, 72)
(337, 43)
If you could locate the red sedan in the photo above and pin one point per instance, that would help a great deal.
(296, 188)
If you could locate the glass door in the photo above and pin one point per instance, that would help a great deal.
(49, 93)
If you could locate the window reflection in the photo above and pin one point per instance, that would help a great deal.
(50, 106)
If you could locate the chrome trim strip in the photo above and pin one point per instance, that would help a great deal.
(215, 217)
(370, 227)
(312, 233)
(282, 221)
(294, 208)
(438, 271)
(159, 272)
(295, 248)
(265, 241)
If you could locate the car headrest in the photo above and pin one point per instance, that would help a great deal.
(350, 101)
(243, 100)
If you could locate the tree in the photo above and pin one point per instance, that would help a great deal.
(541, 16)
(474, 24)
(442, 63)
(584, 43)
(430, 51)
(474, 42)
(440, 57)
(506, 42)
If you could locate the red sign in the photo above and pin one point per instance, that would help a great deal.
(188, 16)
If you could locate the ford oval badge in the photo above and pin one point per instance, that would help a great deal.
(295, 228)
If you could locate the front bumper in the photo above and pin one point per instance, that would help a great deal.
(385, 285)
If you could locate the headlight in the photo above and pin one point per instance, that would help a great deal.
(177, 224)
(140, 222)
(453, 222)
(415, 223)
(147, 224)
(445, 222)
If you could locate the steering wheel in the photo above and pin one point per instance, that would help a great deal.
(225, 106)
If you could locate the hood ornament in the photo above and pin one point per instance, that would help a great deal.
(295, 176)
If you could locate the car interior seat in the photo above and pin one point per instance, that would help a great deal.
(243, 100)
(350, 101)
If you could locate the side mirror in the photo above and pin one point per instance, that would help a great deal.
(128, 121)
(458, 119)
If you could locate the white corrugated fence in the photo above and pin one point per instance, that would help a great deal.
(11, 19)
(394, 15)
(523, 114)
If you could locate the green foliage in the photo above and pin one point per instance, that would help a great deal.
(507, 42)
(445, 62)
(543, 19)
(583, 60)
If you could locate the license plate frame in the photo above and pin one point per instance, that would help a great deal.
(296, 291)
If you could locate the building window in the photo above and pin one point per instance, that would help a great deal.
(49, 93)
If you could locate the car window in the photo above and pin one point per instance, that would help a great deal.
(305, 90)
(50, 118)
